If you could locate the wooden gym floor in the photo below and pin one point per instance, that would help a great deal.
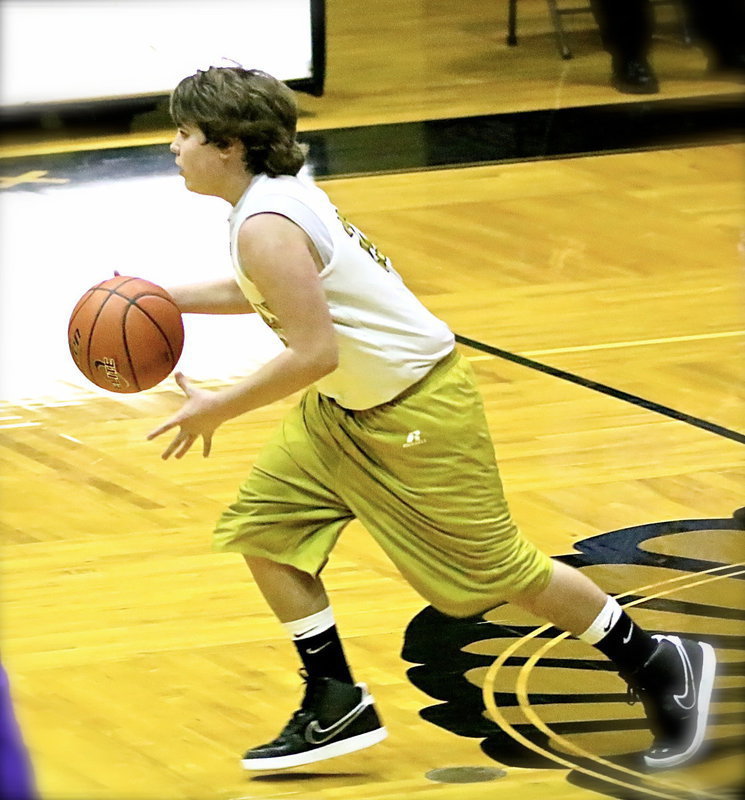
(599, 295)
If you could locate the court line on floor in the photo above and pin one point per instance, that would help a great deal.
(587, 348)
(618, 394)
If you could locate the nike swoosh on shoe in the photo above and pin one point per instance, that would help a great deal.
(315, 734)
(686, 700)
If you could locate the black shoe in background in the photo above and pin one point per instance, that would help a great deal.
(634, 76)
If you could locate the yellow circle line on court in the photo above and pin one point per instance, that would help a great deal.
(521, 693)
(528, 711)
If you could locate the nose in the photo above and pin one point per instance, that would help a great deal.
(174, 148)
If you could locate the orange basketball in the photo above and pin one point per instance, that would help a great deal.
(125, 334)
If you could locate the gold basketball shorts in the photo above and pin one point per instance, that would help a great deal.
(419, 473)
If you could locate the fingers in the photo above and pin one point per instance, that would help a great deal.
(189, 416)
(180, 445)
(184, 383)
(188, 440)
(182, 442)
(178, 441)
(162, 429)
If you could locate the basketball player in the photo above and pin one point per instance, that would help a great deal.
(390, 430)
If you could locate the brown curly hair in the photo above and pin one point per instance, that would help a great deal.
(229, 103)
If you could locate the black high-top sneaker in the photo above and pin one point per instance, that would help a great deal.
(334, 719)
(675, 688)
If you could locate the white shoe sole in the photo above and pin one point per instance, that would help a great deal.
(708, 670)
(327, 751)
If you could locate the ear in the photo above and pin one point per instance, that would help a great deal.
(231, 150)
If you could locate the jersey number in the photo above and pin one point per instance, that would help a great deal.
(365, 243)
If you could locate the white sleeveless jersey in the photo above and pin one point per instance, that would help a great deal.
(387, 339)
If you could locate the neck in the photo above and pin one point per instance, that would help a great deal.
(236, 188)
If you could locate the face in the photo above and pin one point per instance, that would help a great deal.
(203, 166)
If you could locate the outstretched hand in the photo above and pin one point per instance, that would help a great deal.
(197, 417)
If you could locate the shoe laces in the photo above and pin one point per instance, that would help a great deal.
(296, 721)
(300, 716)
(632, 696)
(636, 694)
(311, 689)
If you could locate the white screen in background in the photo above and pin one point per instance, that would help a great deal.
(70, 50)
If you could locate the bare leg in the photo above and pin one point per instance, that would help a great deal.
(571, 601)
(291, 594)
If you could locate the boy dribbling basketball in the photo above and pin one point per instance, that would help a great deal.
(390, 430)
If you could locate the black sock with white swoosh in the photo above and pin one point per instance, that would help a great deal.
(323, 656)
(318, 644)
(627, 645)
(615, 634)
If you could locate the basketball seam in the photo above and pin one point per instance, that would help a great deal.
(80, 305)
(133, 302)
(126, 346)
(101, 288)
(93, 328)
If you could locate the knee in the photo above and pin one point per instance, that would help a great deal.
(265, 570)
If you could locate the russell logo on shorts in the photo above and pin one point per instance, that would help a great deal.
(414, 438)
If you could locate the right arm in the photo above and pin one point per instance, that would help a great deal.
(222, 296)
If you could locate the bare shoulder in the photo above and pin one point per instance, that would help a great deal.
(266, 238)
(268, 227)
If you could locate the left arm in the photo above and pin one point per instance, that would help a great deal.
(279, 258)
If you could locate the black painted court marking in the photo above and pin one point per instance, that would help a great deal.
(619, 394)
(449, 143)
